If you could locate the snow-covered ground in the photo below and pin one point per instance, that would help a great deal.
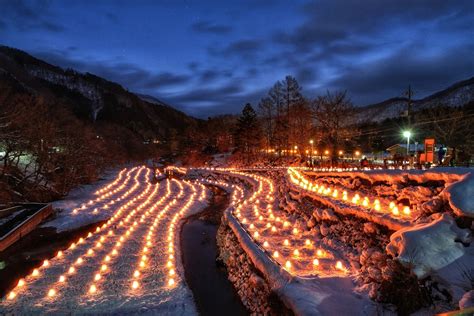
(131, 264)
(311, 277)
(419, 207)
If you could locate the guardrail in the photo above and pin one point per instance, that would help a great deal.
(26, 226)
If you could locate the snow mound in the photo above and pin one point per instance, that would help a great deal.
(467, 300)
(429, 247)
(461, 196)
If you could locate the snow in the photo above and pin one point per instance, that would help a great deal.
(433, 246)
(461, 196)
(430, 247)
(119, 245)
(467, 300)
(81, 196)
(305, 288)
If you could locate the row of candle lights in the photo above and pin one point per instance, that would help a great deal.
(119, 214)
(110, 192)
(298, 179)
(258, 235)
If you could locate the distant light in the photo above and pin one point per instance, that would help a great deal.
(407, 134)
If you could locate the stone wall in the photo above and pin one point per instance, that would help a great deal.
(252, 288)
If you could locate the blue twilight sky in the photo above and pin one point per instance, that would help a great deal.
(209, 57)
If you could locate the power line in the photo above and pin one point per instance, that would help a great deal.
(376, 131)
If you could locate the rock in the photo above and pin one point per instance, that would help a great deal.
(378, 257)
(374, 273)
(311, 223)
(256, 281)
(432, 206)
(324, 229)
(370, 228)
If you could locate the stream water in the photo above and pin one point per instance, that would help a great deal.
(213, 293)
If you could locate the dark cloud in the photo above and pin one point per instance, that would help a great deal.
(29, 16)
(305, 75)
(209, 75)
(217, 101)
(389, 77)
(242, 48)
(193, 66)
(212, 28)
(129, 75)
(209, 95)
(165, 79)
(329, 22)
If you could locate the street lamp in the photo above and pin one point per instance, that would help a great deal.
(311, 156)
(407, 134)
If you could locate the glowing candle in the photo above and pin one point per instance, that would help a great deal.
(92, 289)
(51, 292)
(395, 211)
(71, 270)
(135, 284)
(97, 277)
(62, 278)
(275, 254)
(406, 210)
(35, 272)
(136, 274)
(21, 282)
(11, 295)
(288, 264)
(286, 242)
(316, 262)
(171, 282)
(296, 252)
(339, 265)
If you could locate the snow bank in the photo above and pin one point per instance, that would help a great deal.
(429, 247)
(461, 196)
(304, 296)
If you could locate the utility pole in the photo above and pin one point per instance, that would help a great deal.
(409, 94)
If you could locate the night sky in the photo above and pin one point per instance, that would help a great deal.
(211, 57)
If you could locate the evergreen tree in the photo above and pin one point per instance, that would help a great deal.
(247, 134)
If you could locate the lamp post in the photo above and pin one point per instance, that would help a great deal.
(311, 155)
(407, 134)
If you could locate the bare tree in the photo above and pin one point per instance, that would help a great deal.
(333, 114)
